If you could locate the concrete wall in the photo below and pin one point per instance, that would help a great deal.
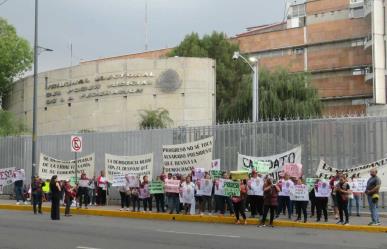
(103, 105)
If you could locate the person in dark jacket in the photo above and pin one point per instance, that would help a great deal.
(270, 201)
(55, 197)
(37, 194)
(69, 195)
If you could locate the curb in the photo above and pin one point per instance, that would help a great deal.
(199, 218)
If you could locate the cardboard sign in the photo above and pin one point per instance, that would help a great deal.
(359, 185)
(187, 193)
(239, 175)
(172, 186)
(232, 189)
(323, 189)
(205, 188)
(293, 169)
(262, 167)
(285, 187)
(215, 174)
(119, 181)
(219, 186)
(255, 186)
(156, 187)
(299, 193)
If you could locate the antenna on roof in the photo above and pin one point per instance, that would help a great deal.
(146, 25)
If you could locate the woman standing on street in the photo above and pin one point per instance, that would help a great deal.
(270, 202)
(342, 193)
(55, 197)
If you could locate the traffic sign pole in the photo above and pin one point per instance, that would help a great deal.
(76, 147)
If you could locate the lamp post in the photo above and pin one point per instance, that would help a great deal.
(253, 64)
(37, 51)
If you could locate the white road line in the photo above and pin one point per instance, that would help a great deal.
(85, 247)
(200, 234)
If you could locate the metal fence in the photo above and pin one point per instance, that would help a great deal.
(342, 142)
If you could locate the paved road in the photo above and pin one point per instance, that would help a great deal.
(21, 230)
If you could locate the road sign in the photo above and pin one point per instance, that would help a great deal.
(76, 144)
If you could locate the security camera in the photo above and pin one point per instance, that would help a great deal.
(235, 56)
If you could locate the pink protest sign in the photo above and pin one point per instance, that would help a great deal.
(172, 186)
(293, 169)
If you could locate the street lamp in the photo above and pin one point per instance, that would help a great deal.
(37, 51)
(253, 64)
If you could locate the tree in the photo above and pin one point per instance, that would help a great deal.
(16, 56)
(9, 125)
(230, 74)
(281, 94)
(287, 95)
(155, 118)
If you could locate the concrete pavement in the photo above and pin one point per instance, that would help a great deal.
(23, 230)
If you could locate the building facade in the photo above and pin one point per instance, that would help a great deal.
(108, 95)
(340, 42)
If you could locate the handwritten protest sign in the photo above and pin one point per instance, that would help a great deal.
(172, 186)
(239, 175)
(182, 158)
(119, 181)
(359, 185)
(49, 166)
(215, 174)
(277, 162)
(6, 175)
(299, 193)
(323, 189)
(205, 188)
(232, 189)
(293, 169)
(255, 186)
(140, 165)
(156, 187)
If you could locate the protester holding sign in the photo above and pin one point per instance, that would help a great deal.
(157, 189)
(37, 194)
(18, 185)
(204, 190)
(135, 197)
(102, 184)
(355, 198)
(145, 196)
(83, 190)
(125, 195)
(372, 191)
(300, 196)
(255, 194)
(238, 202)
(342, 192)
(68, 197)
(322, 193)
(172, 192)
(187, 193)
(284, 196)
(270, 201)
(220, 198)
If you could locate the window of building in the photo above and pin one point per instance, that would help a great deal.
(298, 50)
(357, 12)
(297, 11)
(357, 43)
(358, 71)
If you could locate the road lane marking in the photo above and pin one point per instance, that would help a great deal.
(85, 247)
(200, 234)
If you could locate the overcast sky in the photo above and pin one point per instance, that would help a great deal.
(103, 28)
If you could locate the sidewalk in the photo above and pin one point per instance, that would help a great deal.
(356, 223)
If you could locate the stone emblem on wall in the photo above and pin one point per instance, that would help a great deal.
(169, 81)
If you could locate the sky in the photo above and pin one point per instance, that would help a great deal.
(104, 28)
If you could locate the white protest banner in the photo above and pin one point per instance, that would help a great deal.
(6, 175)
(19, 175)
(205, 188)
(323, 189)
(299, 193)
(187, 194)
(182, 158)
(119, 181)
(140, 165)
(358, 185)
(255, 186)
(172, 186)
(277, 162)
(219, 186)
(198, 174)
(293, 169)
(361, 171)
(49, 166)
(215, 164)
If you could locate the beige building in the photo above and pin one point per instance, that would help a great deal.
(107, 95)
